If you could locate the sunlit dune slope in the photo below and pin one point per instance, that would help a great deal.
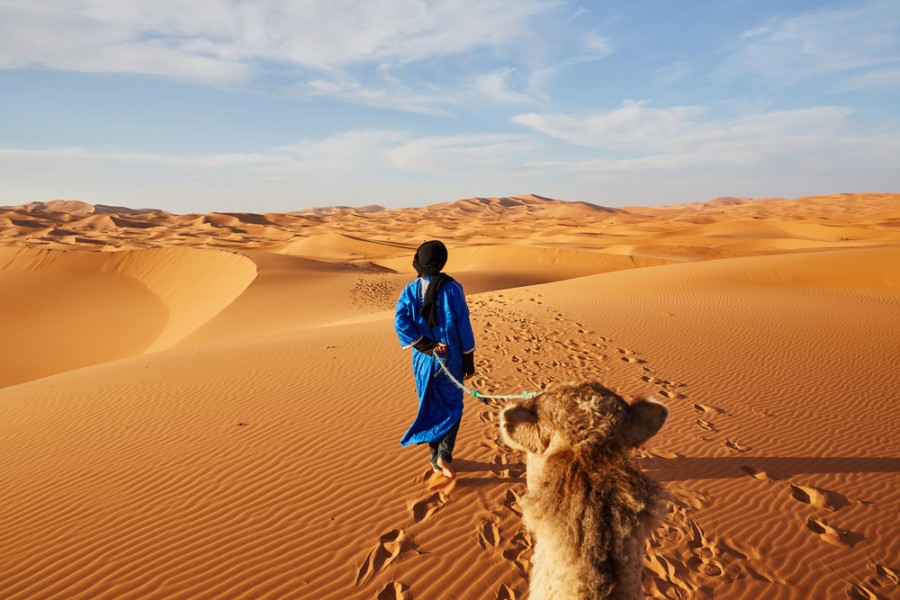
(210, 406)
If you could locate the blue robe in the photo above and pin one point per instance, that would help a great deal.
(440, 401)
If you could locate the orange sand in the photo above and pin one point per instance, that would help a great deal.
(209, 406)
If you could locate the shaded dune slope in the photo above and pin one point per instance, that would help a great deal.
(85, 308)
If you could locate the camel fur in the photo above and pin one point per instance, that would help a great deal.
(588, 506)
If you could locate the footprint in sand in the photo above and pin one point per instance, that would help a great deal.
(736, 446)
(884, 572)
(505, 593)
(488, 416)
(513, 502)
(710, 568)
(818, 497)
(394, 590)
(665, 383)
(710, 554)
(514, 555)
(673, 395)
(885, 580)
(438, 483)
(703, 424)
(699, 543)
(757, 474)
(488, 534)
(390, 546)
(633, 360)
(519, 552)
(672, 535)
(832, 535)
(480, 382)
(669, 572)
(426, 507)
(859, 591)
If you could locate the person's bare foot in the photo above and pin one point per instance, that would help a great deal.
(446, 468)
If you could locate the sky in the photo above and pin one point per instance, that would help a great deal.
(278, 105)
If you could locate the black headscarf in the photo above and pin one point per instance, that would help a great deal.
(430, 258)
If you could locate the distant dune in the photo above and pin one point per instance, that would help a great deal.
(210, 405)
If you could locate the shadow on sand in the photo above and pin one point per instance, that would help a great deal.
(776, 467)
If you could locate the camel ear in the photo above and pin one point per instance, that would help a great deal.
(519, 427)
(643, 420)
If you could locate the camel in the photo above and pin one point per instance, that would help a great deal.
(588, 507)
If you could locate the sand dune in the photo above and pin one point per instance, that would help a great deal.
(209, 406)
(85, 308)
(341, 246)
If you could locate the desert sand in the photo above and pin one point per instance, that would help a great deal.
(210, 406)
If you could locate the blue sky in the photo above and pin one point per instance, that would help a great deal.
(278, 105)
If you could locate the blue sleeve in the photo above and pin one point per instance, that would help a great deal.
(404, 320)
(461, 319)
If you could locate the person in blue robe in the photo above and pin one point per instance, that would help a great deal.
(432, 319)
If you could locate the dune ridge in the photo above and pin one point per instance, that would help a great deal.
(209, 406)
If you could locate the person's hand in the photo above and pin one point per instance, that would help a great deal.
(425, 345)
(440, 348)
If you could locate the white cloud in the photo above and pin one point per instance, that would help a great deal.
(355, 151)
(879, 79)
(579, 12)
(640, 139)
(353, 51)
(495, 87)
(354, 167)
(451, 155)
(788, 153)
(401, 151)
(670, 74)
(126, 35)
(597, 46)
(823, 41)
(633, 126)
(394, 95)
(75, 156)
(350, 150)
(98, 36)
